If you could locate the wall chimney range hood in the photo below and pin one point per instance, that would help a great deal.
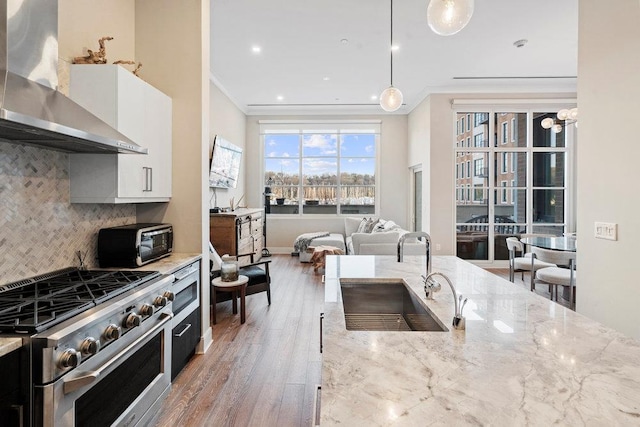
(32, 111)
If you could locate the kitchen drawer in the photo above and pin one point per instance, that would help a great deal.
(185, 338)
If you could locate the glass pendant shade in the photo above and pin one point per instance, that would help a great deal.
(563, 114)
(447, 17)
(547, 123)
(391, 99)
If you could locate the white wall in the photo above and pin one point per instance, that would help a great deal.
(229, 122)
(392, 177)
(609, 101)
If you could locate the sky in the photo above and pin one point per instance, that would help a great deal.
(320, 151)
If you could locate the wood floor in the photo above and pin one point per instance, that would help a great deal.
(262, 373)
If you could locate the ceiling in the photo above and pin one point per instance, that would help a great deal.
(304, 59)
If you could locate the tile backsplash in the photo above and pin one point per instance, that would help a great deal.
(40, 230)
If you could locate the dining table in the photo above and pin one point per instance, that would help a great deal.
(559, 243)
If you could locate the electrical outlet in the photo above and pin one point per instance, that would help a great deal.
(438, 246)
(606, 230)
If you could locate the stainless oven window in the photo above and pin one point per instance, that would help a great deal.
(107, 400)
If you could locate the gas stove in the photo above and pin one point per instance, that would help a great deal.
(36, 304)
(89, 333)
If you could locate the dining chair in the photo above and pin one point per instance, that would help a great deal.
(522, 263)
(555, 276)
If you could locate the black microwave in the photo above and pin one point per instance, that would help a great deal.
(134, 245)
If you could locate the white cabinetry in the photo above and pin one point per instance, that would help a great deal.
(140, 112)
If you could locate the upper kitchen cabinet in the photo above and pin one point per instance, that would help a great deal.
(140, 112)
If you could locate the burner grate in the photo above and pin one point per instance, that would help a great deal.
(34, 305)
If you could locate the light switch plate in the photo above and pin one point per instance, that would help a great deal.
(606, 230)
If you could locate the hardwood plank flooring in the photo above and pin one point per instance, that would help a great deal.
(262, 373)
(265, 372)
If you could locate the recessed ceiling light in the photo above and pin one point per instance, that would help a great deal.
(374, 97)
(279, 97)
(344, 41)
(395, 47)
(326, 79)
(256, 49)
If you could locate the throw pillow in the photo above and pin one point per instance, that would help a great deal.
(371, 224)
(363, 226)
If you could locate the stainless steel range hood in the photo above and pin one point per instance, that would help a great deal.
(32, 111)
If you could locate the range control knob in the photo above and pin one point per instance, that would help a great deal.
(112, 332)
(160, 301)
(132, 320)
(146, 310)
(168, 295)
(69, 359)
(90, 345)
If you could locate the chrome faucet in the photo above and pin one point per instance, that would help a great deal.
(429, 288)
(417, 235)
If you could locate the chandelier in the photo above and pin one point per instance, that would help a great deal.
(563, 118)
(391, 98)
(447, 17)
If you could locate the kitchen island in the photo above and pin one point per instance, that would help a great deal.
(522, 360)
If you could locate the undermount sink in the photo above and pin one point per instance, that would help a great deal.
(389, 305)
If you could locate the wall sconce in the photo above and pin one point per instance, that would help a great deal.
(564, 117)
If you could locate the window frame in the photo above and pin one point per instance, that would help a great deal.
(338, 128)
(532, 108)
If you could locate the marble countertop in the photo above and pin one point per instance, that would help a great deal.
(522, 360)
(173, 262)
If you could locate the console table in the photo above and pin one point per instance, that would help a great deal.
(239, 232)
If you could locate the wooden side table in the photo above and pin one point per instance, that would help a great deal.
(239, 285)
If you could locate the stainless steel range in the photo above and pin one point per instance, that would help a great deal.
(96, 345)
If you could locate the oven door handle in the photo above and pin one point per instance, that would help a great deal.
(85, 378)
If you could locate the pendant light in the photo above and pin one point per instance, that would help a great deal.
(447, 17)
(391, 98)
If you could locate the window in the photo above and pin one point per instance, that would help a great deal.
(320, 169)
(477, 140)
(478, 165)
(468, 141)
(462, 125)
(480, 118)
(468, 168)
(521, 182)
(468, 122)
